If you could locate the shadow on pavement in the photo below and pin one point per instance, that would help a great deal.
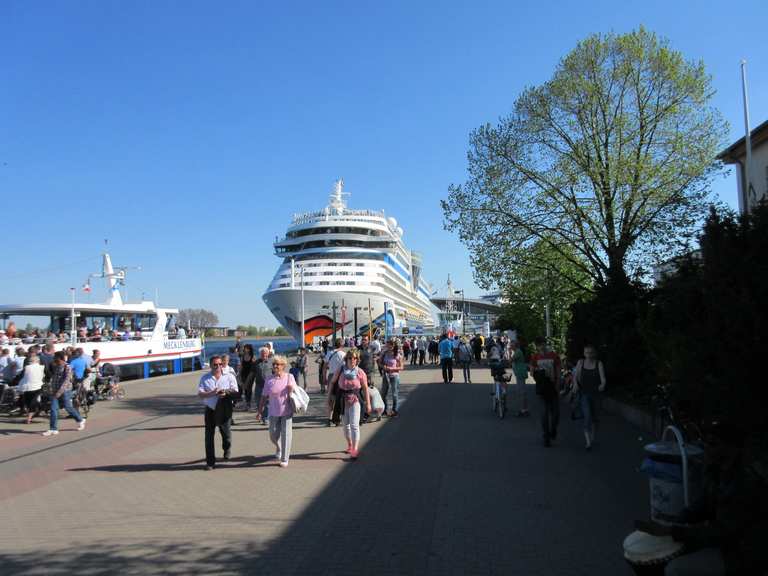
(161, 405)
(445, 489)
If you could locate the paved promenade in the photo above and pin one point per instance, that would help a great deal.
(446, 488)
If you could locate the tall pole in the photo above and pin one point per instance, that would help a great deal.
(748, 189)
(72, 328)
(355, 334)
(303, 333)
(463, 314)
(343, 317)
(333, 307)
(370, 321)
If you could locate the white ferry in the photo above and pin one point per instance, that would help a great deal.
(141, 338)
(348, 269)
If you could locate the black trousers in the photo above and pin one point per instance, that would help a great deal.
(422, 353)
(447, 365)
(210, 428)
(247, 388)
(550, 415)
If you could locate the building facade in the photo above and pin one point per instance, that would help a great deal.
(736, 154)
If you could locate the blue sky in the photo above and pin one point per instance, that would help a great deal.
(188, 132)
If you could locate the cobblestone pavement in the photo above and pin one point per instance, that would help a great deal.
(446, 488)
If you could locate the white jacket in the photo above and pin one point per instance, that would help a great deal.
(299, 399)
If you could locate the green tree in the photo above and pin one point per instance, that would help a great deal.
(535, 284)
(608, 163)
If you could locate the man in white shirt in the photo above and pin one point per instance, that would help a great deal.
(216, 387)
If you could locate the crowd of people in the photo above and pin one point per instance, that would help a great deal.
(348, 371)
(42, 378)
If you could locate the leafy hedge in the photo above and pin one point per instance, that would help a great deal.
(703, 330)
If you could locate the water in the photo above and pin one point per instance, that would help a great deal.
(281, 345)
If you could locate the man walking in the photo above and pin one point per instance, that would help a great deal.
(216, 390)
(334, 361)
(262, 373)
(445, 348)
(61, 391)
(545, 367)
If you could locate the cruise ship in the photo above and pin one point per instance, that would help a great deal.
(349, 271)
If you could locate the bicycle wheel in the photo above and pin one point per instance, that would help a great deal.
(120, 393)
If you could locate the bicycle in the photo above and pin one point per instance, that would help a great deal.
(666, 415)
(80, 400)
(499, 392)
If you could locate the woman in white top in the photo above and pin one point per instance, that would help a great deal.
(30, 385)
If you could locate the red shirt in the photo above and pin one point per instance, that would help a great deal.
(550, 363)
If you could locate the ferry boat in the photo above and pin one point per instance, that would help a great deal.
(144, 339)
(350, 271)
(466, 315)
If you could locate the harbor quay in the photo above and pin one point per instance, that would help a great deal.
(445, 488)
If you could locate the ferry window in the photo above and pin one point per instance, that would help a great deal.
(328, 273)
(359, 264)
(359, 273)
(350, 283)
(324, 283)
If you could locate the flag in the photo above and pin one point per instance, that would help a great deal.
(87, 287)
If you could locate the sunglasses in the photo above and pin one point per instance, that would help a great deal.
(217, 365)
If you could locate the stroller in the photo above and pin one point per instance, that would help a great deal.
(107, 382)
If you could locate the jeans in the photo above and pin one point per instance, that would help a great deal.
(465, 370)
(390, 381)
(522, 392)
(447, 365)
(66, 399)
(550, 415)
(350, 420)
(590, 403)
(422, 353)
(281, 434)
(210, 428)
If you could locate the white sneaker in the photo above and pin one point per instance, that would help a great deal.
(283, 464)
(81, 426)
(50, 433)
(278, 455)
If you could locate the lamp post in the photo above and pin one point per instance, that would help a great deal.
(356, 308)
(72, 328)
(333, 307)
(463, 311)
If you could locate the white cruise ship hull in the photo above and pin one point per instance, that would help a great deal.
(285, 304)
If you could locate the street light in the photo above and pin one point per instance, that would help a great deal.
(356, 308)
(301, 278)
(463, 311)
(333, 306)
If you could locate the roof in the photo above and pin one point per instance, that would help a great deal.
(736, 150)
(46, 309)
(473, 304)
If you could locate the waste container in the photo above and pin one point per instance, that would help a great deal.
(675, 471)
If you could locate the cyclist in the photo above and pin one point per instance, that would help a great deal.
(496, 364)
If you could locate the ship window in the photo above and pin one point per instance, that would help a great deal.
(359, 264)
(350, 283)
(328, 273)
(359, 273)
(324, 283)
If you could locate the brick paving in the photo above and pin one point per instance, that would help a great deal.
(446, 488)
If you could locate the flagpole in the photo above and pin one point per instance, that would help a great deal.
(370, 321)
(747, 142)
(73, 330)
